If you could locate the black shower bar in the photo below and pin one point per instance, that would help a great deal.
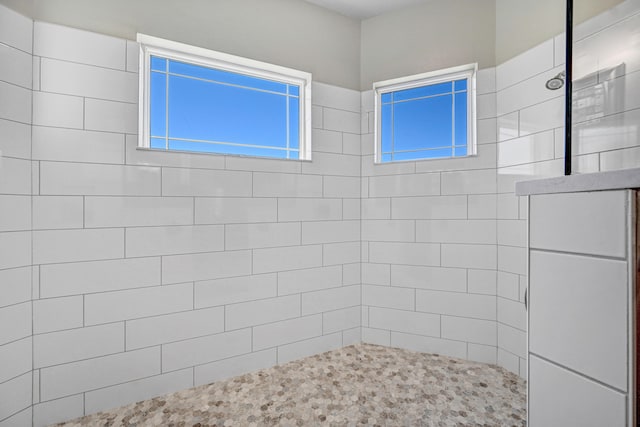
(568, 88)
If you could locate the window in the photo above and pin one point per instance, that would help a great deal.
(426, 116)
(197, 100)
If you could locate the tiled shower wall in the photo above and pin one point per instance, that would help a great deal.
(531, 141)
(15, 219)
(429, 244)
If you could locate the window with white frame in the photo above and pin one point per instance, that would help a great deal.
(426, 116)
(197, 100)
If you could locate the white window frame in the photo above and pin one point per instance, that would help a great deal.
(150, 45)
(468, 71)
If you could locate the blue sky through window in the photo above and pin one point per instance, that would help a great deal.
(424, 122)
(197, 108)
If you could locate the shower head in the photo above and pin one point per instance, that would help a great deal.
(556, 82)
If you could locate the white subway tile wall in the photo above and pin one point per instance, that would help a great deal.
(16, 313)
(160, 271)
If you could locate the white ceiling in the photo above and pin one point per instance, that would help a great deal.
(363, 9)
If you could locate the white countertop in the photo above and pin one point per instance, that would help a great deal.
(600, 181)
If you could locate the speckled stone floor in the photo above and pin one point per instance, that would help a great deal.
(356, 385)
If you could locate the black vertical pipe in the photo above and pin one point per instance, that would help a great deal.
(568, 88)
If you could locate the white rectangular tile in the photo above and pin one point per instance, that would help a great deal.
(330, 299)
(110, 116)
(351, 144)
(508, 126)
(512, 232)
(376, 274)
(327, 95)
(51, 109)
(351, 274)
(57, 212)
(15, 213)
(287, 331)
(456, 304)
(310, 347)
(388, 230)
(469, 256)
(469, 182)
(563, 397)
(485, 158)
(481, 206)
(133, 56)
(15, 29)
(338, 320)
(16, 358)
(508, 285)
(339, 186)
(137, 390)
(88, 81)
(469, 330)
(351, 209)
(456, 231)
(201, 182)
(302, 209)
(429, 344)
(137, 211)
(527, 149)
(341, 120)
(234, 366)
(486, 131)
(435, 278)
(52, 246)
(286, 185)
(58, 410)
(332, 164)
(57, 314)
(512, 313)
(263, 235)
(61, 42)
(482, 353)
(375, 208)
(77, 344)
(72, 378)
(512, 340)
(71, 278)
(544, 116)
(330, 231)
(370, 168)
(152, 157)
(207, 349)
(376, 336)
(101, 180)
(74, 145)
(559, 221)
(210, 293)
(169, 240)
(432, 207)
(186, 268)
(16, 395)
(15, 176)
(404, 185)
(481, 282)
(388, 297)
(340, 253)
(512, 259)
(312, 279)
(405, 321)
(15, 249)
(590, 296)
(16, 139)
(525, 65)
(259, 312)
(167, 328)
(527, 92)
(507, 206)
(229, 210)
(15, 66)
(486, 80)
(486, 106)
(256, 164)
(16, 103)
(137, 303)
(287, 258)
(15, 285)
(405, 253)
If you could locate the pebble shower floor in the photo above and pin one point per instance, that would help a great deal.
(362, 384)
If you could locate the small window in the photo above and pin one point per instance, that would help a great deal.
(197, 100)
(426, 116)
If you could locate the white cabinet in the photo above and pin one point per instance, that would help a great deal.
(581, 319)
